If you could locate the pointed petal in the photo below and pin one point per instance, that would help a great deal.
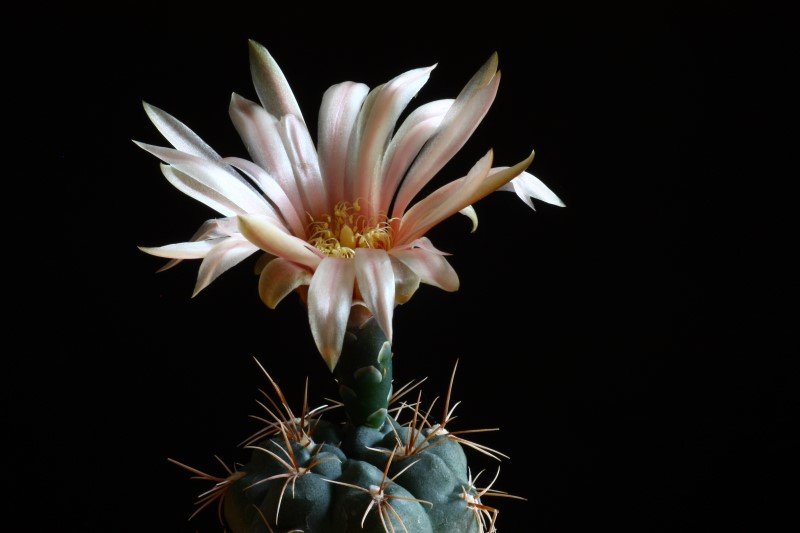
(376, 284)
(178, 134)
(305, 164)
(443, 202)
(456, 195)
(330, 295)
(272, 239)
(222, 256)
(213, 176)
(376, 124)
(406, 281)
(271, 86)
(261, 135)
(279, 278)
(337, 119)
(432, 268)
(209, 230)
(180, 250)
(273, 192)
(470, 213)
(528, 186)
(405, 145)
(456, 128)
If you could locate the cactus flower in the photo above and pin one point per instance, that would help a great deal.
(341, 221)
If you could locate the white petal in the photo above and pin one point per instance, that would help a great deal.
(178, 134)
(457, 126)
(222, 256)
(375, 125)
(376, 284)
(330, 295)
(192, 188)
(271, 86)
(272, 239)
(214, 176)
(279, 278)
(406, 281)
(261, 135)
(181, 250)
(405, 145)
(337, 119)
(272, 191)
(457, 195)
(432, 268)
(305, 164)
(528, 186)
(470, 213)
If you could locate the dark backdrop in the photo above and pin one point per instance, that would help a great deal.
(609, 341)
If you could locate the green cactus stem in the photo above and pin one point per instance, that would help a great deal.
(364, 374)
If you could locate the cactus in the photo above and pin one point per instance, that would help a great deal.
(340, 225)
(368, 473)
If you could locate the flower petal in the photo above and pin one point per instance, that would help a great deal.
(272, 191)
(528, 186)
(432, 268)
(330, 295)
(271, 86)
(178, 134)
(470, 107)
(457, 195)
(213, 176)
(225, 254)
(405, 145)
(470, 213)
(376, 123)
(279, 278)
(274, 240)
(181, 250)
(305, 164)
(406, 281)
(337, 118)
(376, 284)
(261, 135)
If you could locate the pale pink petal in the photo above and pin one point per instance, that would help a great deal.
(305, 164)
(222, 256)
(330, 295)
(196, 190)
(432, 268)
(279, 278)
(272, 191)
(376, 123)
(214, 176)
(528, 186)
(457, 195)
(456, 128)
(272, 239)
(271, 86)
(178, 134)
(337, 118)
(404, 147)
(181, 250)
(443, 202)
(376, 284)
(261, 135)
(210, 229)
(406, 281)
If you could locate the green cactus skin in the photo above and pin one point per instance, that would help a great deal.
(370, 474)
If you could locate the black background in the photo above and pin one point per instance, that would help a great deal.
(629, 346)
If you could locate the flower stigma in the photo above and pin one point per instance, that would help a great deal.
(347, 229)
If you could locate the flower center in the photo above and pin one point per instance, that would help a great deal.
(339, 235)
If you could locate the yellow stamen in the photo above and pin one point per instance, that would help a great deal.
(341, 234)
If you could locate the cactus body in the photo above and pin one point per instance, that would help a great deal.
(368, 474)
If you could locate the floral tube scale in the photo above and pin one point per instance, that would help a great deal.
(340, 222)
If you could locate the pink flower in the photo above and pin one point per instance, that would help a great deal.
(340, 223)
